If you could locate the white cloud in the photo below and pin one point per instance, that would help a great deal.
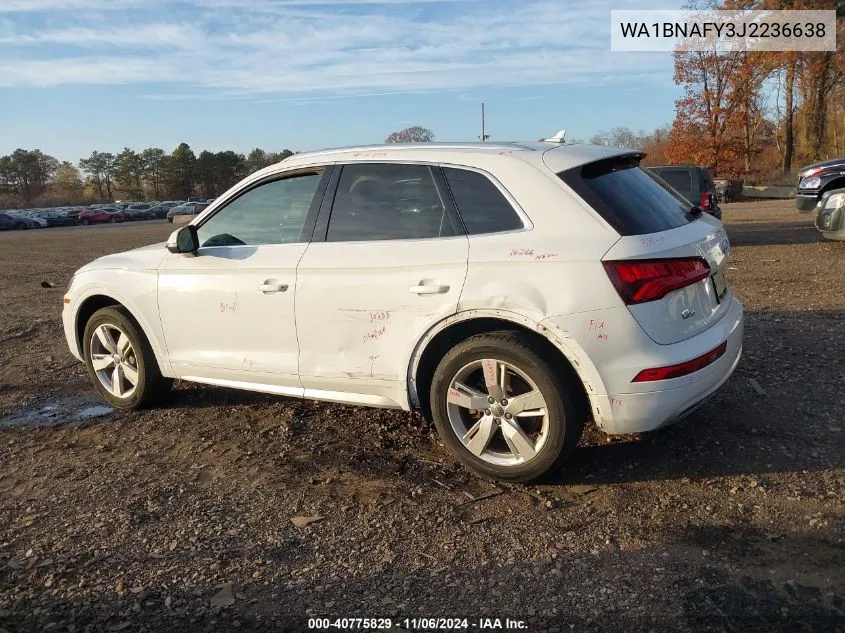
(143, 36)
(315, 49)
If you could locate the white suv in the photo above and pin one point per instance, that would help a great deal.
(508, 291)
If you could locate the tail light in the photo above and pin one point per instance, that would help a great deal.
(642, 280)
(707, 201)
(682, 369)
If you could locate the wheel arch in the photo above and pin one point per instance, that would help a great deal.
(458, 327)
(97, 300)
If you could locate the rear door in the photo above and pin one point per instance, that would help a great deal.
(655, 227)
(387, 261)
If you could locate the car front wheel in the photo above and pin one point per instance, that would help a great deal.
(120, 361)
(502, 409)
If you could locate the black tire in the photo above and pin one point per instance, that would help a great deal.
(564, 420)
(20, 226)
(82, 222)
(151, 386)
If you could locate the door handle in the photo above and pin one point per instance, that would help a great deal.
(429, 289)
(272, 287)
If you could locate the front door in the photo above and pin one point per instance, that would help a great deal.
(390, 264)
(228, 311)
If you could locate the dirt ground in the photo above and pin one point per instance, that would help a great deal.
(179, 519)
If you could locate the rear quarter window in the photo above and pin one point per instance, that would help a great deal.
(482, 207)
(630, 198)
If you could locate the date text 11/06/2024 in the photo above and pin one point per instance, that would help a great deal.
(413, 624)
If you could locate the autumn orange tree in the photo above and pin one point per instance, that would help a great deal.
(706, 117)
(721, 122)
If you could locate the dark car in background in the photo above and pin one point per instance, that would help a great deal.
(693, 183)
(16, 222)
(817, 179)
(56, 218)
(139, 211)
(159, 211)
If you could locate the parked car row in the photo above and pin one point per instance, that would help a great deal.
(189, 208)
(22, 219)
(13, 222)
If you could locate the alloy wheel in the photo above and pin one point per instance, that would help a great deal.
(497, 412)
(114, 360)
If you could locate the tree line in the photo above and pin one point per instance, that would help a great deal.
(758, 116)
(761, 114)
(33, 178)
(29, 177)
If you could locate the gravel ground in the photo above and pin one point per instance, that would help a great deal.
(179, 519)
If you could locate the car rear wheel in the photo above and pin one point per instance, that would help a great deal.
(19, 226)
(120, 361)
(502, 409)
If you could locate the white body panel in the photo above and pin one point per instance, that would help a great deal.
(619, 349)
(663, 319)
(359, 317)
(218, 324)
(349, 329)
(130, 279)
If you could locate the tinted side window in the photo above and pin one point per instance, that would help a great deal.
(481, 205)
(633, 200)
(271, 213)
(382, 201)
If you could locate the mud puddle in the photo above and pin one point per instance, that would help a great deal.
(72, 411)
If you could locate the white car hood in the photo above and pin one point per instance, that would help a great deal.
(144, 258)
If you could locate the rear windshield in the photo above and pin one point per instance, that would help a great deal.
(630, 198)
(679, 179)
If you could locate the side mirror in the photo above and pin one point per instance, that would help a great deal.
(184, 240)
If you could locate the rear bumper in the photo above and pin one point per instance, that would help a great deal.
(669, 400)
(609, 348)
(656, 409)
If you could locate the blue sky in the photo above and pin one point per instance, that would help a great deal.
(77, 75)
